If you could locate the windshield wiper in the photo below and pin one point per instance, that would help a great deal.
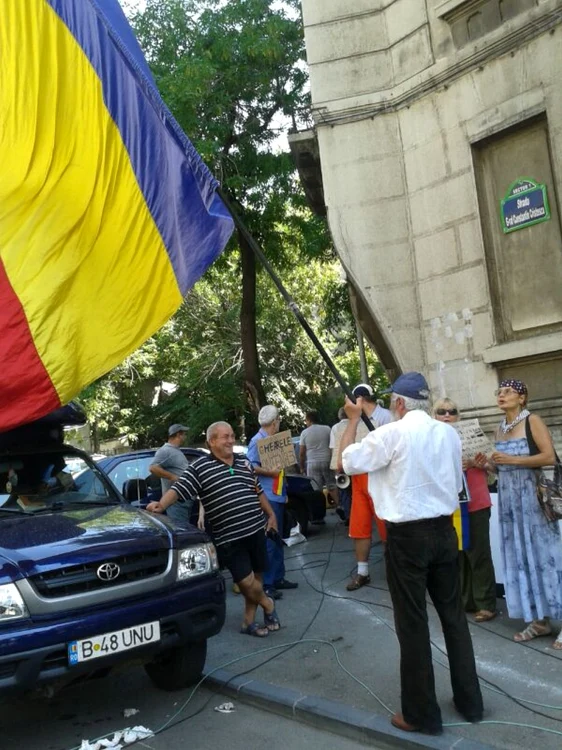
(67, 504)
(18, 511)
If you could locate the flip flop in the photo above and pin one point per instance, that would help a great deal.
(558, 642)
(255, 629)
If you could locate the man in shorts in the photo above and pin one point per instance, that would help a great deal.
(362, 507)
(233, 503)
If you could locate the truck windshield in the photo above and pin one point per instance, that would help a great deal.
(50, 480)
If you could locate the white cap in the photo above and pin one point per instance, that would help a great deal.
(363, 389)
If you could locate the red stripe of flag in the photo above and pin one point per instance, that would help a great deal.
(26, 390)
(278, 483)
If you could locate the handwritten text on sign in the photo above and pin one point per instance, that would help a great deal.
(276, 451)
(472, 438)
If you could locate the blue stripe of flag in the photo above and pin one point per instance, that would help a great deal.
(179, 190)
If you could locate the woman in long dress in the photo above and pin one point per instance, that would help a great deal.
(531, 546)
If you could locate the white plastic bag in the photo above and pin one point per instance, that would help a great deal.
(295, 537)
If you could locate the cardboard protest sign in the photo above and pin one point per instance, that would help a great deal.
(276, 451)
(473, 438)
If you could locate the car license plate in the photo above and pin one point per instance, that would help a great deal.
(112, 643)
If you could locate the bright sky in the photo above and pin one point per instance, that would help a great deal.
(132, 4)
(140, 4)
(281, 143)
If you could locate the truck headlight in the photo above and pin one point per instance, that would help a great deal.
(196, 561)
(12, 605)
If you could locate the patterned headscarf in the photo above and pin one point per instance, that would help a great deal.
(517, 385)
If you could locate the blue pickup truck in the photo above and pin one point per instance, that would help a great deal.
(87, 581)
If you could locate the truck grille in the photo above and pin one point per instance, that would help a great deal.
(79, 579)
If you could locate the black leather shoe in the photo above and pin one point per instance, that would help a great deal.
(400, 722)
(285, 584)
(272, 593)
(471, 716)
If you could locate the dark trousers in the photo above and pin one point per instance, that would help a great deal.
(420, 557)
(275, 551)
(345, 501)
(478, 581)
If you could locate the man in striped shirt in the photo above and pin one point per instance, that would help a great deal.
(234, 505)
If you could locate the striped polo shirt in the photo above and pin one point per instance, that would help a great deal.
(229, 495)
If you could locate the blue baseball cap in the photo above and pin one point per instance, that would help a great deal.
(410, 385)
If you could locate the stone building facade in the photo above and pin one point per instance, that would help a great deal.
(428, 114)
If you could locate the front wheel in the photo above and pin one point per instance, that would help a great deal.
(179, 667)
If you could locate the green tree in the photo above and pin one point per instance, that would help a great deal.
(233, 76)
(192, 371)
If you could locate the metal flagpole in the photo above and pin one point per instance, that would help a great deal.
(258, 252)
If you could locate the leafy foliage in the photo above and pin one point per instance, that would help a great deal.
(198, 354)
(233, 75)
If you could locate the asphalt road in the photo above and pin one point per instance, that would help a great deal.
(92, 710)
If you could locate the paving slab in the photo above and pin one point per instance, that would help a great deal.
(335, 660)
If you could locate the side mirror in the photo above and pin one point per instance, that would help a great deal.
(134, 489)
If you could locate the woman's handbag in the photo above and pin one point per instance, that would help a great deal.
(549, 491)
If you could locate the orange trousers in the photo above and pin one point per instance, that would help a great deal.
(363, 511)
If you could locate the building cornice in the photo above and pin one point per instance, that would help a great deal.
(428, 81)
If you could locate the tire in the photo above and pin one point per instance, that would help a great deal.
(179, 667)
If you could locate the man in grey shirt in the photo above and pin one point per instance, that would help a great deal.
(315, 455)
(168, 465)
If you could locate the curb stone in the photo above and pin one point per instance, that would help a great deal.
(338, 718)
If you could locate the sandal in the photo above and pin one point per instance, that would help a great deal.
(534, 630)
(271, 621)
(558, 642)
(484, 615)
(254, 628)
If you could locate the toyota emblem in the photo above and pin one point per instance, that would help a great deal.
(108, 571)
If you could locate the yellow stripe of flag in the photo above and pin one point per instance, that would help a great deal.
(72, 239)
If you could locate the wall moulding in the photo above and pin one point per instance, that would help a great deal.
(544, 347)
(534, 24)
(452, 9)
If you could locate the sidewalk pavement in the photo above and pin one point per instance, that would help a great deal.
(343, 674)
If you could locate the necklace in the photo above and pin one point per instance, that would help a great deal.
(505, 427)
(230, 468)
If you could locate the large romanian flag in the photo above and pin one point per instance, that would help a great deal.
(107, 214)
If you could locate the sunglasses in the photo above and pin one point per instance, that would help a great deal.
(450, 412)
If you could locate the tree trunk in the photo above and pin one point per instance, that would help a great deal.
(252, 378)
(94, 438)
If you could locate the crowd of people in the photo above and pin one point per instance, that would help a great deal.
(406, 473)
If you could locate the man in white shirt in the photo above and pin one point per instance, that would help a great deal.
(415, 472)
(362, 507)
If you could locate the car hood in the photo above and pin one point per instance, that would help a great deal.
(35, 543)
